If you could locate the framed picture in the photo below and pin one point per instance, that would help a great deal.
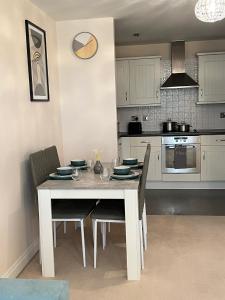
(37, 62)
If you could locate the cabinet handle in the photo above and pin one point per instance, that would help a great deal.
(203, 157)
(201, 92)
(144, 142)
(126, 96)
(158, 156)
(222, 140)
(157, 94)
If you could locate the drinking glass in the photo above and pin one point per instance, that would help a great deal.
(105, 174)
(75, 174)
(90, 165)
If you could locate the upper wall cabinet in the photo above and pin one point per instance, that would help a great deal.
(138, 81)
(122, 83)
(211, 78)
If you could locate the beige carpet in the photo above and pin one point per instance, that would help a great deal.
(185, 260)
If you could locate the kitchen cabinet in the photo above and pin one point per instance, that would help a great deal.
(122, 83)
(212, 158)
(138, 82)
(136, 147)
(211, 78)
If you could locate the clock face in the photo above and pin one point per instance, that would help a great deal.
(85, 45)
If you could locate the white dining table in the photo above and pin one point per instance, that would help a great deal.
(90, 186)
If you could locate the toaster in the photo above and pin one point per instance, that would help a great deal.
(134, 128)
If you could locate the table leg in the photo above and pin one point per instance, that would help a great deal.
(132, 235)
(46, 236)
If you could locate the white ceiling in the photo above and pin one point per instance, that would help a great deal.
(155, 20)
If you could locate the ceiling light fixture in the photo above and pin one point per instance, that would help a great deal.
(210, 10)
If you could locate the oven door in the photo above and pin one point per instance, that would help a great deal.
(181, 159)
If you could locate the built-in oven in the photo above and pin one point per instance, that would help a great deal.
(181, 155)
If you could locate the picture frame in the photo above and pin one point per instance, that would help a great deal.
(37, 62)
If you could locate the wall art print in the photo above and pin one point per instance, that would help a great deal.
(37, 62)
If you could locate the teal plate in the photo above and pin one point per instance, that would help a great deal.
(138, 166)
(80, 167)
(131, 176)
(56, 176)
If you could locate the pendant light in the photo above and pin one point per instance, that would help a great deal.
(210, 10)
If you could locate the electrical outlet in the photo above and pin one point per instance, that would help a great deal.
(145, 118)
(222, 115)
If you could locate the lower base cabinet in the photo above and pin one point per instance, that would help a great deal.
(154, 170)
(213, 163)
(136, 147)
(212, 156)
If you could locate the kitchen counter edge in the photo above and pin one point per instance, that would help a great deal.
(159, 133)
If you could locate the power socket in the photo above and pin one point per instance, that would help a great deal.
(145, 118)
(222, 115)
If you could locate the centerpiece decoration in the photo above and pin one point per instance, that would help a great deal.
(98, 168)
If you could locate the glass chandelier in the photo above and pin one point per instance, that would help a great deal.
(210, 10)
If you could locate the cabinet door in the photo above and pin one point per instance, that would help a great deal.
(212, 78)
(154, 171)
(213, 163)
(122, 83)
(145, 81)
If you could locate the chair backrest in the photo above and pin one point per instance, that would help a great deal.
(38, 167)
(142, 183)
(52, 159)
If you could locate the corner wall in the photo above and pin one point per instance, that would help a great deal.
(25, 127)
(87, 91)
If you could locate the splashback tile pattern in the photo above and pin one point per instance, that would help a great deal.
(178, 105)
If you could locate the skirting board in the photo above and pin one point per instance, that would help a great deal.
(22, 261)
(185, 185)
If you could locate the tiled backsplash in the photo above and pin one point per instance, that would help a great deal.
(178, 105)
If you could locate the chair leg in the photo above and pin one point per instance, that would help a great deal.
(145, 228)
(64, 227)
(83, 242)
(104, 235)
(141, 244)
(109, 227)
(95, 242)
(54, 233)
(93, 224)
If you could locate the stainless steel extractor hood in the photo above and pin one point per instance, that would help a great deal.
(178, 79)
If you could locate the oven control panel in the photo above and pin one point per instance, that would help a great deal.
(177, 140)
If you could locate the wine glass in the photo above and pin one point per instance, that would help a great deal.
(75, 174)
(115, 162)
(90, 165)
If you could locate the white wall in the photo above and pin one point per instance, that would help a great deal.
(25, 127)
(87, 91)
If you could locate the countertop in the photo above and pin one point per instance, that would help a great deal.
(159, 133)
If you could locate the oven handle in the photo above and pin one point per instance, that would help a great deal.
(181, 145)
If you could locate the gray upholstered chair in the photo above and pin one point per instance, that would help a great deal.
(62, 209)
(112, 211)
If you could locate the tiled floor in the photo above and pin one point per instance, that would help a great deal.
(185, 260)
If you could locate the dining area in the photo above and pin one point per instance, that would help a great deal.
(76, 193)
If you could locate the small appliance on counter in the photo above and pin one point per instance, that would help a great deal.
(134, 127)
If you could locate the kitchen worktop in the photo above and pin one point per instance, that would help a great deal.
(159, 133)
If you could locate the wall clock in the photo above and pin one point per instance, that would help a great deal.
(85, 45)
